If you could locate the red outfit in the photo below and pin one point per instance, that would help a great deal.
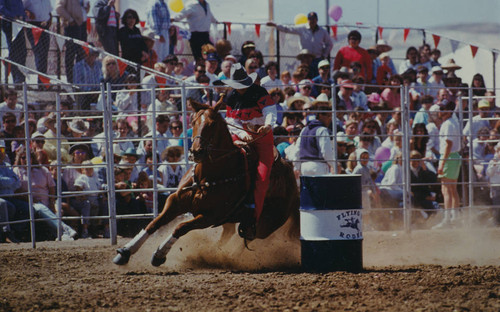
(384, 73)
(347, 55)
(252, 108)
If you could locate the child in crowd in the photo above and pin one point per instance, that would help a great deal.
(285, 77)
(370, 191)
(143, 182)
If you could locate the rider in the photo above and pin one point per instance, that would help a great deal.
(251, 113)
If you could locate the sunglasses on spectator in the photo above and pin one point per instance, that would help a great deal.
(80, 153)
(40, 141)
(306, 87)
(325, 68)
(176, 128)
(112, 63)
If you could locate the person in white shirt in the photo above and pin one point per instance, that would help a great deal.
(10, 106)
(436, 82)
(479, 121)
(271, 80)
(449, 163)
(199, 17)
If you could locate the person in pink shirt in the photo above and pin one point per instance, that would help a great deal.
(354, 53)
(391, 95)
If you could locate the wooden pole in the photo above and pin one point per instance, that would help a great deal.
(272, 43)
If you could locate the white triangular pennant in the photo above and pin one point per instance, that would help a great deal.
(16, 28)
(454, 45)
(60, 42)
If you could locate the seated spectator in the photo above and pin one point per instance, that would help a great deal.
(285, 78)
(370, 193)
(411, 61)
(493, 172)
(271, 80)
(144, 195)
(171, 170)
(257, 56)
(278, 97)
(127, 102)
(424, 59)
(344, 96)
(384, 72)
(369, 129)
(354, 53)
(436, 81)
(79, 153)
(420, 141)
(420, 88)
(122, 137)
(225, 72)
(247, 47)
(358, 93)
(422, 116)
(392, 94)
(479, 121)
(391, 186)
(422, 180)
(10, 105)
(323, 78)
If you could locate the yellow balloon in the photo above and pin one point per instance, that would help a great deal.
(300, 19)
(176, 5)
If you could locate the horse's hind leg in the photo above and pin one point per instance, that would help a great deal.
(170, 212)
(160, 255)
(228, 230)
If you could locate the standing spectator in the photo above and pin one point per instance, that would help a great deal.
(88, 74)
(449, 163)
(158, 19)
(199, 17)
(106, 23)
(421, 182)
(131, 41)
(14, 10)
(383, 47)
(38, 13)
(354, 53)
(315, 145)
(312, 37)
(71, 13)
(149, 39)
(478, 85)
(384, 72)
(8, 134)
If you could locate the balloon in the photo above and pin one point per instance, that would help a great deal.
(382, 154)
(335, 12)
(176, 5)
(300, 19)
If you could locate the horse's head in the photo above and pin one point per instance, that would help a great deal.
(207, 125)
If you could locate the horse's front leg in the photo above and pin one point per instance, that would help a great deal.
(199, 222)
(171, 210)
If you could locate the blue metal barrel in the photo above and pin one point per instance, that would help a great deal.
(331, 234)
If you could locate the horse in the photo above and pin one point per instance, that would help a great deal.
(215, 188)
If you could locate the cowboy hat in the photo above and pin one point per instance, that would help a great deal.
(239, 78)
(78, 125)
(450, 64)
(382, 46)
(130, 152)
(79, 146)
(303, 53)
(294, 99)
(170, 149)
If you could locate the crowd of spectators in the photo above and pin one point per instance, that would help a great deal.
(366, 133)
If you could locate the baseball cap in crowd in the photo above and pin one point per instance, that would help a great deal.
(374, 97)
(323, 63)
(347, 83)
(483, 104)
(436, 69)
(312, 15)
(212, 57)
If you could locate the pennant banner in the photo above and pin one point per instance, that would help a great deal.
(37, 32)
(60, 41)
(121, 66)
(85, 48)
(228, 25)
(45, 81)
(16, 28)
(436, 40)
(8, 67)
(474, 50)
(380, 30)
(257, 30)
(454, 45)
(162, 81)
(334, 31)
(89, 25)
(406, 33)
(142, 23)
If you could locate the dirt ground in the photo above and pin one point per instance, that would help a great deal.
(425, 270)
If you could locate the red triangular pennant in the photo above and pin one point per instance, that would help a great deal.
(474, 50)
(257, 29)
(228, 24)
(142, 23)
(380, 30)
(436, 40)
(89, 25)
(37, 32)
(85, 48)
(45, 81)
(121, 66)
(334, 31)
(406, 33)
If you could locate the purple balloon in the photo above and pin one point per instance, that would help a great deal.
(382, 154)
(335, 12)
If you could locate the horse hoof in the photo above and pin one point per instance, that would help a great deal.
(247, 231)
(122, 257)
(158, 261)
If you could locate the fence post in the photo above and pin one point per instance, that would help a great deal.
(334, 128)
(471, 157)
(155, 147)
(405, 105)
(278, 51)
(110, 176)
(59, 169)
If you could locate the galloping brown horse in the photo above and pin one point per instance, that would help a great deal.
(214, 189)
